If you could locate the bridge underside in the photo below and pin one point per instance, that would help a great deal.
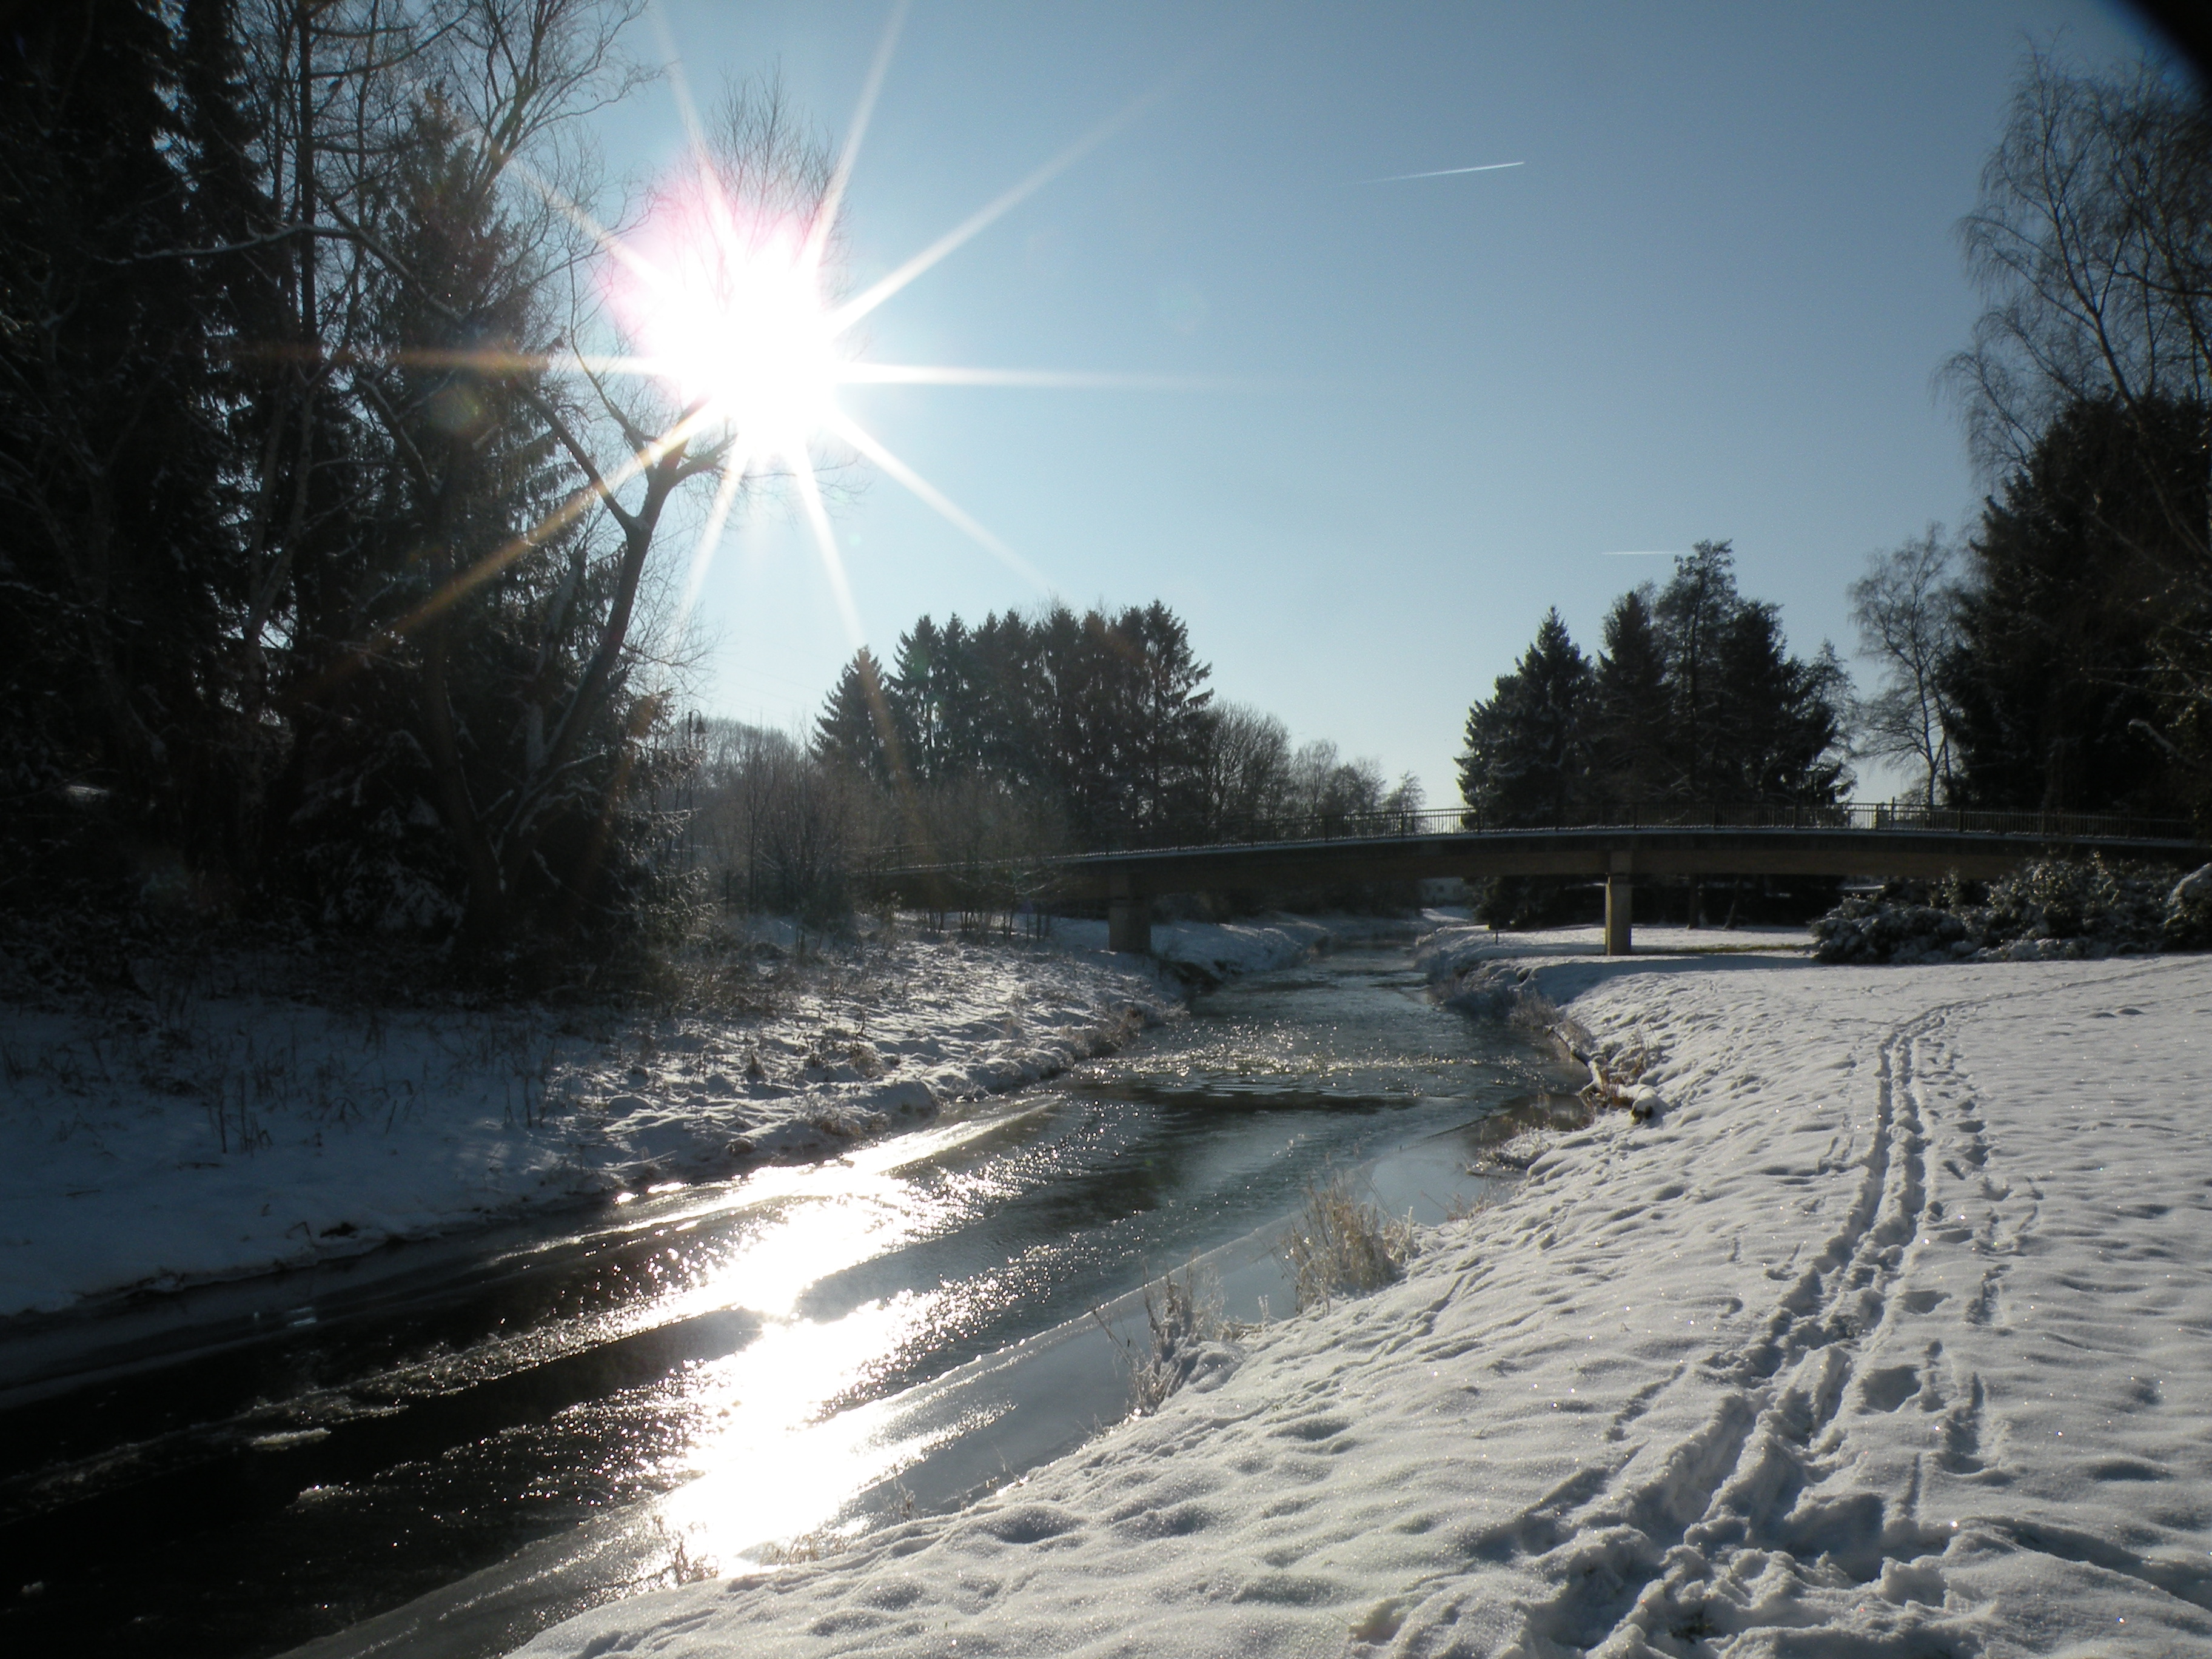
(1129, 881)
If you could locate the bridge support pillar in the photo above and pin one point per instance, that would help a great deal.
(1619, 907)
(1129, 919)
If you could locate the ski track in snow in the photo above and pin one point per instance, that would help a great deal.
(1892, 1336)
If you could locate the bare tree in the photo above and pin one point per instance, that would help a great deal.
(498, 90)
(2092, 245)
(1904, 607)
(1322, 784)
(1245, 761)
(416, 606)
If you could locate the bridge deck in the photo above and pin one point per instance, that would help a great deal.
(1129, 880)
(1669, 851)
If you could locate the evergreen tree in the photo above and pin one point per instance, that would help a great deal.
(1693, 614)
(1631, 737)
(2086, 678)
(1004, 652)
(310, 573)
(856, 733)
(1527, 757)
(120, 573)
(1166, 722)
(480, 593)
(2055, 678)
(961, 701)
(1097, 722)
(1695, 700)
(1780, 728)
(1745, 721)
(916, 691)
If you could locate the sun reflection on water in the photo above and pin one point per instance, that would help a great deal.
(839, 1391)
(769, 1465)
(771, 1455)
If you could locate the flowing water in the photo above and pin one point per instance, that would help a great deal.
(440, 1448)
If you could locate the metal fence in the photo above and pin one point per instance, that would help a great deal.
(1904, 815)
(1849, 815)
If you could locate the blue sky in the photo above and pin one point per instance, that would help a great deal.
(1709, 302)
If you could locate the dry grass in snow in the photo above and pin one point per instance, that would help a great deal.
(1343, 1245)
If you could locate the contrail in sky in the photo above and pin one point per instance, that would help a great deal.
(1642, 553)
(1441, 173)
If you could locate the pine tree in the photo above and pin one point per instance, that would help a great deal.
(1781, 729)
(856, 732)
(1167, 737)
(1745, 721)
(2057, 680)
(1693, 612)
(1527, 757)
(1004, 650)
(1095, 725)
(1630, 735)
(916, 691)
(119, 575)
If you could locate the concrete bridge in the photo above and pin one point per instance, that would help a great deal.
(1881, 841)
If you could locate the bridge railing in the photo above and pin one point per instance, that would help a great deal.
(1846, 815)
(1368, 826)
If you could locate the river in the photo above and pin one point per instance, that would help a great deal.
(440, 1448)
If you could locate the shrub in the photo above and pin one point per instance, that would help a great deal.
(2046, 908)
(1342, 1244)
(1186, 1320)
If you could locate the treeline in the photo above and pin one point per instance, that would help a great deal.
(324, 584)
(993, 747)
(1695, 702)
(2059, 656)
(1098, 727)
(1695, 699)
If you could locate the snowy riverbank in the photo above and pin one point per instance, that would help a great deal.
(1888, 1336)
(211, 1128)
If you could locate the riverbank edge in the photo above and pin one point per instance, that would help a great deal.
(1130, 995)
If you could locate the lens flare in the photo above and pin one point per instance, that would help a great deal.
(719, 295)
(726, 303)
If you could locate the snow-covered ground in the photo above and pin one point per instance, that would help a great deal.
(1891, 1335)
(212, 1129)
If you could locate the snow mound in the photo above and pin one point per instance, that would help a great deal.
(1215, 950)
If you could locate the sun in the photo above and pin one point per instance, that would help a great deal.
(721, 298)
(727, 303)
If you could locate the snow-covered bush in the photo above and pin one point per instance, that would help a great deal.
(2189, 910)
(1882, 929)
(2047, 908)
